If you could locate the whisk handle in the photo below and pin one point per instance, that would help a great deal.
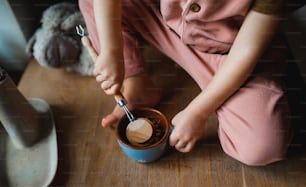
(120, 100)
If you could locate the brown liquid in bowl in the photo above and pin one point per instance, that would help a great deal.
(159, 124)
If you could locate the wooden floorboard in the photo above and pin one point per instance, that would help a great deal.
(90, 156)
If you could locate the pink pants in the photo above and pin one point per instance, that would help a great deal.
(253, 123)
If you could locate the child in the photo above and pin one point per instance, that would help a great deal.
(223, 45)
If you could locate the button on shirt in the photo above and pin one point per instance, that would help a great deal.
(206, 25)
(194, 7)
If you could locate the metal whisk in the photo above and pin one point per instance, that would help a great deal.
(80, 30)
(121, 102)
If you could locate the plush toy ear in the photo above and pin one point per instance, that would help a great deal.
(55, 14)
(55, 50)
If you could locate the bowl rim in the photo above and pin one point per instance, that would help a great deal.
(165, 136)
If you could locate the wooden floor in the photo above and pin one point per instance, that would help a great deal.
(90, 156)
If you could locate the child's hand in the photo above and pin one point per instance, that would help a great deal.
(109, 68)
(109, 71)
(189, 128)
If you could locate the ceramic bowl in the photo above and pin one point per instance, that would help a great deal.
(156, 146)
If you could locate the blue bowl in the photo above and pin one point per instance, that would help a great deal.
(156, 146)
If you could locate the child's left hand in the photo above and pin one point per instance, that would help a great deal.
(189, 127)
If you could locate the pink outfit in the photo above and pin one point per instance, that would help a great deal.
(197, 34)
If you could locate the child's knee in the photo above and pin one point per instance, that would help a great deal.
(261, 157)
(256, 151)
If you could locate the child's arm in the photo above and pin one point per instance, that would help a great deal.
(249, 45)
(109, 66)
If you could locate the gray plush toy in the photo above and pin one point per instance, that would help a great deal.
(56, 45)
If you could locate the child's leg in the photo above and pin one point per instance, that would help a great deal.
(253, 123)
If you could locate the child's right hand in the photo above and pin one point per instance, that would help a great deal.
(109, 71)
(109, 68)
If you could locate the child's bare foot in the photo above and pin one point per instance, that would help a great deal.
(138, 91)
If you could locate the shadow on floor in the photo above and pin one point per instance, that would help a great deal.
(296, 92)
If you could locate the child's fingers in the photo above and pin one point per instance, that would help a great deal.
(87, 43)
(109, 87)
(114, 89)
